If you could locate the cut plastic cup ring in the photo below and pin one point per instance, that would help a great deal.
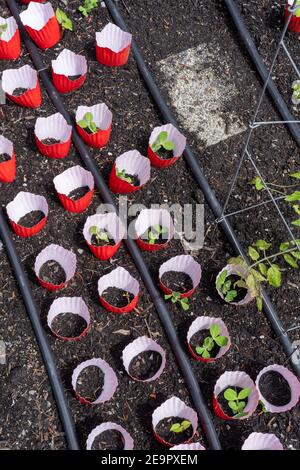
(66, 259)
(128, 441)
(53, 127)
(129, 163)
(174, 136)
(10, 43)
(181, 264)
(262, 441)
(102, 118)
(7, 168)
(113, 227)
(23, 204)
(69, 71)
(41, 24)
(121, 279)
(25, 79)
(74, 305)
(71, 179)
(113, 46)
(150, 218)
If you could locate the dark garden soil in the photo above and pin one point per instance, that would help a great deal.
(224, 403)
(50, 141)
(160, 238)
(96, 241)
(134, 179)
(109, 440)
(4, 157)
(52, 272)
(19, 91)
(31, 219)
(165, 154)
(275, 388)
(163, 431)
(198, 339)
(145, 365)
(241, 292)
(117, 297)
(177, 281)
(68, 325)
(90, 383)
(78, 193)
(28, 416)
(73, 77)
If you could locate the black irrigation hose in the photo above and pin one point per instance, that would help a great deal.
(158, 301)
(262, 70)
(41, 337)
(202, 182)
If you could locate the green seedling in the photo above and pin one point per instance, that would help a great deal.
(236, 401)
(162, 142)
(63, 19)
(297, 12)
(177, 428)
(3, 28)
(88, 123)
(101, 235)
(154, 233)
(87, 6)
(176, 297)
(122, 175)
(210, 341)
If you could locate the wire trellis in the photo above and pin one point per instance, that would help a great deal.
(246, 153)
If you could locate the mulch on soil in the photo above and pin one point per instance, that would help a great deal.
(28, 415)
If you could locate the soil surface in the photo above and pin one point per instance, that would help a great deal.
(4, 157)
(224, 403)
(50, 141)
(96, 241)
(19, 91)
(28, 415)
(145, 365)
(117, 297)
(90, 383)
(163, 431)
(164, 154)
(31, 219)
(78, 193)
(240, 291)
(109, 440)
(198, 339)
(52, 272)
(275, 388)
(73, 77)
(177, 281)
(68, 325)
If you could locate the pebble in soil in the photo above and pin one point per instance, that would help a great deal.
(224, 403)
(198, 339)
(96, 241)
(90, 383)
(4, 157)
(19, 91)
(119, 298)
(109, 440)
(275, 388)
(177, 281)
(163, 431)
(78, 193)
(31, 219)
(69, 325)
(241, 291)
(145, 365)
(53, 273)
(50, 141)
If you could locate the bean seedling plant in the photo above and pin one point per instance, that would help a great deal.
(210, 341)
(101, 235)
(155, 232)
(3, 28)
(88, 123)
(236, 400)
(162, 142)
(178, 428)
(176, 297)
(122, 175)
(63, 19)
(87, 6)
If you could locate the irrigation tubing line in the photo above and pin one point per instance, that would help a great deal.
(158, 301)
(262, 69)
(41, 337)
(202, 182)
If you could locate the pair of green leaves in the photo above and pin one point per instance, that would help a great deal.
(210, 341)
(155, 232)
(292, 257)
(100, 235)
(225, 286)
(122, 175)
(295, 196)
(162, 142)
(87, 7)
(88, 123)
(271, 272)
(176, 297)
(63, 19)
(236, 401)
(3, 28)
(177, 428)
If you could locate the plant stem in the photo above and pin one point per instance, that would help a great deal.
(267, 258)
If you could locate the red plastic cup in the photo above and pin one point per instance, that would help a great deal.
(115, 228)
(41, 24)
(26, 2)
(10, 43)
(56, 127)
(141, 345)
(75, 305)
(23, 204)
(134, 164)
(121, 279)
(146, 219)
(73, 178)
(68, 64)
(7, 169)
(182, 264)
(294, 24)
(179, 145)
(102, 117)
(113, 46)
(24, 77)
(109, 426)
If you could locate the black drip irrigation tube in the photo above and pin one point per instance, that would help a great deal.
(158, 301)
(262, 70)
(203, 184)
(42, 340)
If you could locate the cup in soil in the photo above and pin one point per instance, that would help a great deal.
(294, 24)
(53, 136)
(96, 130)
(154, 229)
(27, 213)
(69, 318)
(130, 172)
(194, 446)
(75, 188)
(26, 2)
(41, 24)
(235, 272)
(237, 381)
(180, 274)
(103, 234)
(278, 388)
(69, 71)
(196, 339)
(144, 359)
(109, 436)
(163, 158)
(113, 46)
(118, 291)
(10, 43)
(176, 415)
(22, 86)
(55, 267)
(7, 161)
(262, 441)
(94, 382)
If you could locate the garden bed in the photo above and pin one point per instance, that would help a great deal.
(28, 412)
